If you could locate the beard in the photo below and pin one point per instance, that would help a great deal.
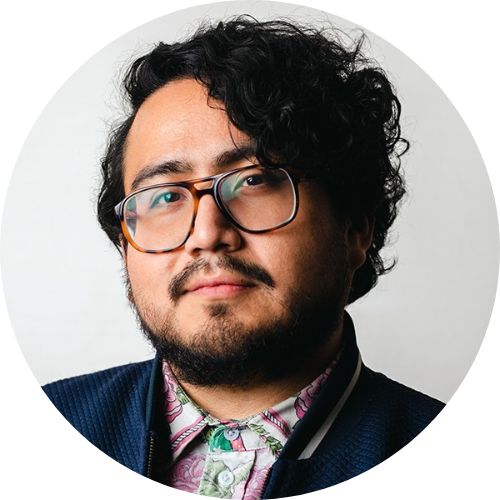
(227, 353)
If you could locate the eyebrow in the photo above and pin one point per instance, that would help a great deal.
(164, 168)
(221, 161)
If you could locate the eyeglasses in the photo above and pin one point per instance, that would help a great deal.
(160, 218)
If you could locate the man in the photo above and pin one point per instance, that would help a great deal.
(250, 191)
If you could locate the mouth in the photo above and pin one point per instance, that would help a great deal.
(219, 288)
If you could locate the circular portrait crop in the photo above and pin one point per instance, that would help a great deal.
(249, 250)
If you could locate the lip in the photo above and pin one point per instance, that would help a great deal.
(219, 287)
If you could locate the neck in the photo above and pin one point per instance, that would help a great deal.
(229, 402)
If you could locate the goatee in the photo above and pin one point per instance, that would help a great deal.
(225, 352)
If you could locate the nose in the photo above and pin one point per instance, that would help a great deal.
(212, 232)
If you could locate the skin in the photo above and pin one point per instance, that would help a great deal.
(177, 124)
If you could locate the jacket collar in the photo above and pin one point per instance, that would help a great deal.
(311, 429)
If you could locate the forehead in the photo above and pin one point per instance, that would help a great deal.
(179, 124)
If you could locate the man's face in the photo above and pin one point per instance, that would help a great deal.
(226, 289)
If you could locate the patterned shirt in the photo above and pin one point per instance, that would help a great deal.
(229, 458)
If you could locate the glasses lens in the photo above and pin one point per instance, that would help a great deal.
(159, 218)
(259, 198)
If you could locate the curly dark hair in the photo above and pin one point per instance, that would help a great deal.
(306, 99)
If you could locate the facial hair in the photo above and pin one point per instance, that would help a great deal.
(224, 351)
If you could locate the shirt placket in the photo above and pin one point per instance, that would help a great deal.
(228, 464)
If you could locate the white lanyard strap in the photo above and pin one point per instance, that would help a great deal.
(321, 433)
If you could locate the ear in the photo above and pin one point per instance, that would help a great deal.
(359, 238)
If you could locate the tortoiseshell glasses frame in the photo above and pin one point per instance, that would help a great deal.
(255, 199)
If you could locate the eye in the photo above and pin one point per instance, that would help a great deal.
(263, 177)
(164, 198)
(251, 183)
(254, 180)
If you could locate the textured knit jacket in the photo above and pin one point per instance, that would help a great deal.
(120, 411)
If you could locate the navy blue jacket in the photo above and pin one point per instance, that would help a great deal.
(120, 411)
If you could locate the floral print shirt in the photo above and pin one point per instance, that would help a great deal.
(228, 458)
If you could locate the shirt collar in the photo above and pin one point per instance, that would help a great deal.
(274, 426)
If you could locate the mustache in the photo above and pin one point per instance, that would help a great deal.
(224, 262)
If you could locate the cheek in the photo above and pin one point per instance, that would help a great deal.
(290, 257)
(149, 273)
(309, 254)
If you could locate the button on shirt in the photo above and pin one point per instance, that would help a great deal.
(228, 458)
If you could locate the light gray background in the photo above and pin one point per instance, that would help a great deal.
(422, 325)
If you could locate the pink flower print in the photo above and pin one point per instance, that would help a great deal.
(300, 407)
(173, 406)
(254, 486)
(307, 395)
(237, 444)
(186, 474)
